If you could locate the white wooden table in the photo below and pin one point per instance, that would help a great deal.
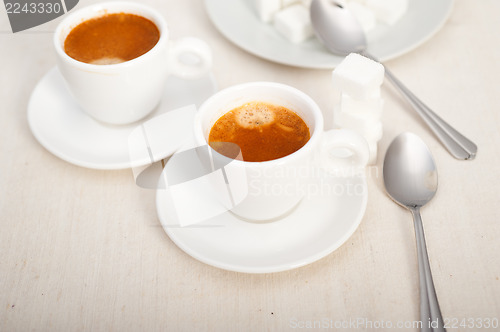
(83, 249)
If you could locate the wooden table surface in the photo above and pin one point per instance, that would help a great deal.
(82, 249)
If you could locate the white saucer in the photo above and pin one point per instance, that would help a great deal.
(65, 130)
(320, 224)
(238, 22)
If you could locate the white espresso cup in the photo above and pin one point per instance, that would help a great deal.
(264, 191)
(126, 92)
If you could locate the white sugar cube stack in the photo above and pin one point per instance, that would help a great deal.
(357, 81)
(291, 17)
(294, 23)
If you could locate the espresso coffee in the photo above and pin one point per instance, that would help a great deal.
(112, 38)
(262, 131)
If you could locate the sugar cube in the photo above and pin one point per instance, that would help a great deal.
(364, 15)
(358, 76)
(286, 3)
(294, 23)
(374, 132)
(266, 9)
(373, 148)
(388, 11)
(370, 108)
(359, 1)
(370, 129)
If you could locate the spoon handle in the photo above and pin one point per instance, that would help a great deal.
(457, 144)
(430, 314)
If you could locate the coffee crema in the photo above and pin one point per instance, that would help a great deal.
(112, 38)
(261, 130)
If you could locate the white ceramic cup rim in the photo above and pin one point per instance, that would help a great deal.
(100, 9)
(239, 89)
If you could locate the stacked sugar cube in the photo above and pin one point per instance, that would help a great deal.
(291, 17)
(356, 83)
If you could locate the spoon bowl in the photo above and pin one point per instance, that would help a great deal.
(410, 179)
(410, 174)
(322, 12)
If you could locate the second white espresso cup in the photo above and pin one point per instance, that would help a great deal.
(126, 92)
(264, 191)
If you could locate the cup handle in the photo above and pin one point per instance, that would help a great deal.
(190, 58)
(343, 152)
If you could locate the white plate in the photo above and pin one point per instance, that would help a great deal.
(321, 223)
(66, 131)
(238, 22)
